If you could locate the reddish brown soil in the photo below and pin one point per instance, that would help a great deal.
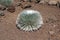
(51, 18)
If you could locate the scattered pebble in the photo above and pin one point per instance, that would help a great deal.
(51, 33)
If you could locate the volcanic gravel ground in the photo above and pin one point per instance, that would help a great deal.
(50, 30)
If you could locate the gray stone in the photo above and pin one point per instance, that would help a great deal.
(2, 13)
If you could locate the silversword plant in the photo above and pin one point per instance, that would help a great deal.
(6, 2)
(29, 20)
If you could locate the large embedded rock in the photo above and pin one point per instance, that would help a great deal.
(11, 9)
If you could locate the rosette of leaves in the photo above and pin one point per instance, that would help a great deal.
(6, 2)
(29, 20)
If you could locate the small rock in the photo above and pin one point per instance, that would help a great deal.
(51, 32)
(58, 4)
(26, 6)
(11, 9)
(42, 2)
(2, 13)
(2, 8)
(53, 3)
(18, 4)
(55, 25)
(47, 21)
(37, 1)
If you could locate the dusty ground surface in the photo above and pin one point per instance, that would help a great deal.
(50, 30)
